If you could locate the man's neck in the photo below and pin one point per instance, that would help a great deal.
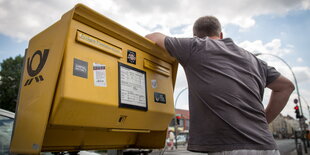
(215, 37)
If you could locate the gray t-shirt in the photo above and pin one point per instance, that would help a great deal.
(226, 86)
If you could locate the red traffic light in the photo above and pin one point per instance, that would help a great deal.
(296, 107)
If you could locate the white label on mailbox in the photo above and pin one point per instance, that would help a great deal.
(100, 78)
(132, 89)
(154, 83)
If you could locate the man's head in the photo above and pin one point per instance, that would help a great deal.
(207, 26)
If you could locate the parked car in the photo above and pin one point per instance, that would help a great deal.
(6, 127)
(181, 140)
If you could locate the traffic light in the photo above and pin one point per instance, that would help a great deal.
(296, 109)
(297, 112)
(178, 119)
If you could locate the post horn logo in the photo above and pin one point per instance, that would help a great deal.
(34, 72)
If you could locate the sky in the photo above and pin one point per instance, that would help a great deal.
(277, 27)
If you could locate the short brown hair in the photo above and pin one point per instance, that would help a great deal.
(207, 26)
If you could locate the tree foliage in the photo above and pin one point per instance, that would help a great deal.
(10, 74)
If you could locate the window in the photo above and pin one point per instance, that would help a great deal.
(181, 123)
(187, 124)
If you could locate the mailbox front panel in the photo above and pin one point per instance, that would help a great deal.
(107, 83)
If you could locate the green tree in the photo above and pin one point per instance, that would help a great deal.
(10, 73)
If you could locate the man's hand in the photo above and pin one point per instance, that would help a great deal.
(158, 38)
(281, 91)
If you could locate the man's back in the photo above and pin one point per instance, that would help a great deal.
(226, 85)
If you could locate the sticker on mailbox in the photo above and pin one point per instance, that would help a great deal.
(154, 83)
(100, 76)
(131, 57)
(159, 97)
(80, 68)
(132, 87)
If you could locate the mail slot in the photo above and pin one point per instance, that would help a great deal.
(91, 84)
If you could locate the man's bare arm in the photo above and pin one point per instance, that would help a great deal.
(281, 91)
(158, 38)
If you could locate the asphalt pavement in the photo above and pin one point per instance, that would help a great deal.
(286, 146)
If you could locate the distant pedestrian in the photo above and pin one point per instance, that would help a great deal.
(226, 86)
(171, 138)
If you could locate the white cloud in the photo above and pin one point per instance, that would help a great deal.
(181, 81)
(306, 4)
(181, 84)
(300, 59)
(302, 73)
(23, 19)
(274, 47)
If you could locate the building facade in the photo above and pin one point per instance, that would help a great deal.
(283, 126)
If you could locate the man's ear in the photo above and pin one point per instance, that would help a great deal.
(221, 35)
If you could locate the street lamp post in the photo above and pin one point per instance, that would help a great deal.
(308, 143)
(307, 105)
(175, 118)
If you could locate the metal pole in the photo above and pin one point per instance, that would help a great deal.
(307, 132)
(175, 118)
(176, 100)
(307, 106)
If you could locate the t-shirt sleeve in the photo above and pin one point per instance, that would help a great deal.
(180, 48)
(272, 74)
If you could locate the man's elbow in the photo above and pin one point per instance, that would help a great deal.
(290, 87)
(282, 84)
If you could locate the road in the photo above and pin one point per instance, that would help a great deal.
(286, 146)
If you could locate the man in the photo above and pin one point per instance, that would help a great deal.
(226, 86)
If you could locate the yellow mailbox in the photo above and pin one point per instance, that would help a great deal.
(90, 83)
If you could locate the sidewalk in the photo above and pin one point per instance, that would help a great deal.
(303, 151)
